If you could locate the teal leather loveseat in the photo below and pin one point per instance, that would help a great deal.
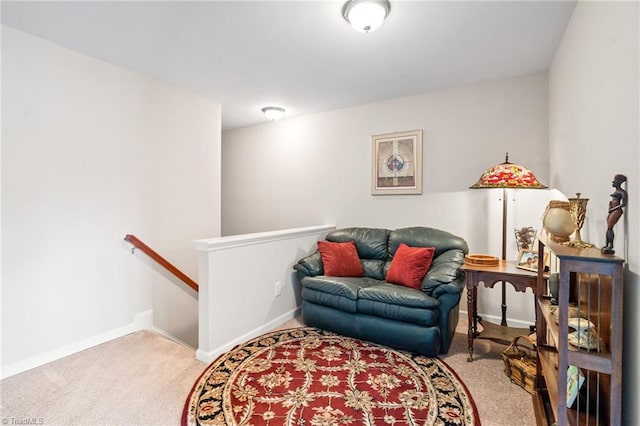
(421, 320)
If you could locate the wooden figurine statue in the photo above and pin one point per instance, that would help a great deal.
(616, 205)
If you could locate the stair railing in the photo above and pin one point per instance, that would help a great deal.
(137, 244)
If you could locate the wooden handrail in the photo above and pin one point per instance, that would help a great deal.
(161, 260)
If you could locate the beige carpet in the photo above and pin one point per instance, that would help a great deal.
(139, 379)
(143, 379)
(499, 401)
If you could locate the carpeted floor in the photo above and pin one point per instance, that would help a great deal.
(499, 401)
(144, 379)
(139, 379)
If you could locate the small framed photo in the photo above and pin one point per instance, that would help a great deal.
(529, 260)
(397, 163)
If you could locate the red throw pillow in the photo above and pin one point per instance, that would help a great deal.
(340, 259)
(409, 265)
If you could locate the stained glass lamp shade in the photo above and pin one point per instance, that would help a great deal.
(507, 175)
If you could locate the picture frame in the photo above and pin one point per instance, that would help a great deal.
(528, 259)
(397, 163)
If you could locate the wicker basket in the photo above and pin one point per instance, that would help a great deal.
(520, 363)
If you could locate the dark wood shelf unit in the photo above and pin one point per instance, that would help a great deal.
(548, 360)
(592, 282)
(553, 330)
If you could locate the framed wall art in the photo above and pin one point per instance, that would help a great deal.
(397, 163)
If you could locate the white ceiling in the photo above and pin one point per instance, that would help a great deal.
(302, 55)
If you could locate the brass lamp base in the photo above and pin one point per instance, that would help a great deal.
(578, 244)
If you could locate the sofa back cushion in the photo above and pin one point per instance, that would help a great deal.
(420, 236)
(371, 244)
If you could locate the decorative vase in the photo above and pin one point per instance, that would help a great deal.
(578, 213)
(557, 221)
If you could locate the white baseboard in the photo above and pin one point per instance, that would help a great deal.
(495, 319)
(171, 337)
(208, 357)
(141, 321)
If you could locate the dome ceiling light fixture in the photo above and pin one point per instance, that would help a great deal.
(273, 113)
(365, 15)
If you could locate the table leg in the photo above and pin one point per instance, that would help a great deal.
(471, 321)
(476, 318)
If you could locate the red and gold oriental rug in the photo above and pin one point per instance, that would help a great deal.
(311, 377)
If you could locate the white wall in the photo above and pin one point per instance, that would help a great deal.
(594, 99)
(237, 276)
(91, 152)
(317, 168)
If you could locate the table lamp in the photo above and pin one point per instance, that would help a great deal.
(505, 176)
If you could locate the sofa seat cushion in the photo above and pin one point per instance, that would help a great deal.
(337, 292)
(398, 295)
(398, 303)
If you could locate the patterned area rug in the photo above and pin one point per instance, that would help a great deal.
(311, 377)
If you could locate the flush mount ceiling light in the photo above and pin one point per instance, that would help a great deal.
(273, 113)
(365, 15)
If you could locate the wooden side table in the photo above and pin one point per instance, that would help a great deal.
(507, 271)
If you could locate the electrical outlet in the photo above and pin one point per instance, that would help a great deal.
(277, 288)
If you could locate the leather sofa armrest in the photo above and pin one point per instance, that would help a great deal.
(454, 287)
(444, 275)
(309, 266)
